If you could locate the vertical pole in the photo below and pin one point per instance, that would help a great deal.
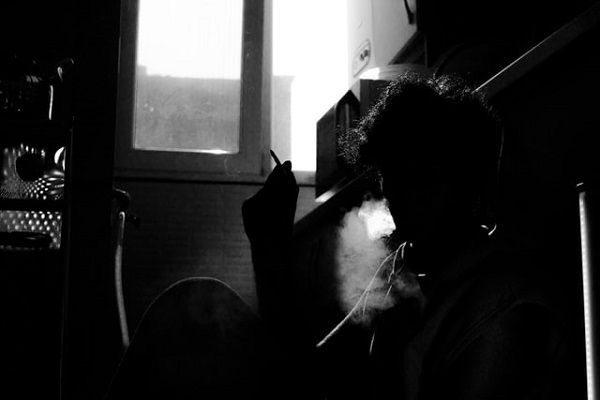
(589, 236)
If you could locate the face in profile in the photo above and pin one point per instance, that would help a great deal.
(427, 202)
(435, 143)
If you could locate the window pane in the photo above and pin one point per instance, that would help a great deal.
(309, 73)
(188, 80)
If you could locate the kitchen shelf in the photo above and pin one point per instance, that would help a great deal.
(46, 132)
(32, 204)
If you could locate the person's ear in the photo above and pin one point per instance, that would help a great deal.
(485, 206)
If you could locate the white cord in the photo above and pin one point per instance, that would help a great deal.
(119, 282)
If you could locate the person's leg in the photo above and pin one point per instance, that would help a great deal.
(199, 339)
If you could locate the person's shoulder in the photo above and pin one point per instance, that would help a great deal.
(509, 275)
(503, 286)
(501, 282)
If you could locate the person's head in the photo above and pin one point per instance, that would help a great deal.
(436, 146)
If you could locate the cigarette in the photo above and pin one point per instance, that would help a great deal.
(275, 158)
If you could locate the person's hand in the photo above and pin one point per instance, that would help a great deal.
(269, 214)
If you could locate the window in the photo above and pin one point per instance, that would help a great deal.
(188, 76)
(310, 74)
(192, 93)
(197, 97)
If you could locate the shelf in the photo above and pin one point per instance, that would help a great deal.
(25, 240)
(31, 205)
(15, 131)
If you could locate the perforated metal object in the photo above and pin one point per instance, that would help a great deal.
(48, 222)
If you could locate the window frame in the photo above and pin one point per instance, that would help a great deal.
(251, 163)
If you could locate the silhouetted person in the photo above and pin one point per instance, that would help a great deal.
(486, 322)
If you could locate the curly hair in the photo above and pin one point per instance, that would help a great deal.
(440, 119)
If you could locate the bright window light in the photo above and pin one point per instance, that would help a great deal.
(309, 73)
(188, 77)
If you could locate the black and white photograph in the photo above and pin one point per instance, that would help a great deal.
(300, 199)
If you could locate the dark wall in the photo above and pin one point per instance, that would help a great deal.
(550, 120)
(551, 124)
(188, 229)
(91, 341)
(478, 38)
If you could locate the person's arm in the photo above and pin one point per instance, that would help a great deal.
(268, 220)
(512, 358)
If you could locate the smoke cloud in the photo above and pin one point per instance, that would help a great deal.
(366, 262)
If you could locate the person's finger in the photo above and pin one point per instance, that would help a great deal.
(290, 177)
(276, 175)
(280, 174)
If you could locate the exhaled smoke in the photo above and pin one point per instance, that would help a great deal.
(365, 262)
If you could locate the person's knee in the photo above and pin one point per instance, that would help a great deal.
(206, 300)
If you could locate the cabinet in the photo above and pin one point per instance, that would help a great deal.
(35, 137)
(79, 272)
